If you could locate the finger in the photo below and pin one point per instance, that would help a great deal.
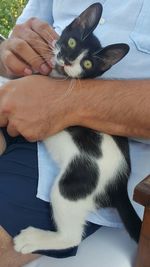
(41, 48)
(14, 65)
(47, 33)
(24, 51)
(3, 120)
(44, 30)
(12, 130)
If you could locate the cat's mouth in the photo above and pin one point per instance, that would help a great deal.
(64, 66)
(66, 70)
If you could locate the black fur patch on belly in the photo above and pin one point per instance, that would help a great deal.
(80, 178)
(87, 140)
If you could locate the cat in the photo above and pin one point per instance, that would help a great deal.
(94, 167)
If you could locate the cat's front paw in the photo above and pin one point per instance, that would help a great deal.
(28, 240)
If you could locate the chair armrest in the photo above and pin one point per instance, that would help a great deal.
(142, 196)
(142, 192)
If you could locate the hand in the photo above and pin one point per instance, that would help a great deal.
(28, 49)
(35, 107)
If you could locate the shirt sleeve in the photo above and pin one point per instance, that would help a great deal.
(37, 8)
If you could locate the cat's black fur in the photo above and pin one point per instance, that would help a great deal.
(101, 58)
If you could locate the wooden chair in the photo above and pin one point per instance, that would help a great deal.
(142, 196)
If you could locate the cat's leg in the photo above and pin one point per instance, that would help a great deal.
(70, 219)
(72, 199)
(129, 216)
(120, 200)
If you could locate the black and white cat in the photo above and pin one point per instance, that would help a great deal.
(94, 167)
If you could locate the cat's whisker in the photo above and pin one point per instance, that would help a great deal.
(35, 59)
(44, 45)
(62, 79)
(79, 82)
(70, 88)
(48, 33)
(44, 48)
(49, 36)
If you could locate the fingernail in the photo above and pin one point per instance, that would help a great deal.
(27, 71)
(45, 69)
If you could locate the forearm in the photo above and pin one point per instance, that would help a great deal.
(38, 106)
(114, 107)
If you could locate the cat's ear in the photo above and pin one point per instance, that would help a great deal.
(111, 54)
(88, 20)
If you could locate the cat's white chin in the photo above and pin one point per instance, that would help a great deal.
(73, 71)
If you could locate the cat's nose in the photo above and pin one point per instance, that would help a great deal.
(67, 62)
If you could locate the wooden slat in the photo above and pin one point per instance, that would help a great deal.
(142, 192)
(143, 257)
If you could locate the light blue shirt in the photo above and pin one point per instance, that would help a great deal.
(122, 21)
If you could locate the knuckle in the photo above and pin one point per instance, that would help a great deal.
(43, 26)
(32, 19)
(8, 61)
(7, 57)
(6, 108)
(19, 45)
(16, 29)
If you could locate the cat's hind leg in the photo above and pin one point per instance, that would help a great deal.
(121, 201)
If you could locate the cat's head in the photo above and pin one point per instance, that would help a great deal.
(79, 54)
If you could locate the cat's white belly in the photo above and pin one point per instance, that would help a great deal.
(63, 150)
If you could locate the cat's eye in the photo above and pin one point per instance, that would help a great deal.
(72, 43)
(87, 64)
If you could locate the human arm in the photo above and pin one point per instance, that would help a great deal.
(38, 106)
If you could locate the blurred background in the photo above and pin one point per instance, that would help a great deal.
(9, 11)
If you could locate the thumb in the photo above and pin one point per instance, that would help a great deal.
(12, 130)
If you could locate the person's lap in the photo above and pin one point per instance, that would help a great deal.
(19, 207)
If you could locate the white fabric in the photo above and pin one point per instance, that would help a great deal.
(108, 247)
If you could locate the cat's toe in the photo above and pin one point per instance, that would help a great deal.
(26, 241)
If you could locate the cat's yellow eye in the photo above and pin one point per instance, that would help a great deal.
(72, 43)
(87, 64)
